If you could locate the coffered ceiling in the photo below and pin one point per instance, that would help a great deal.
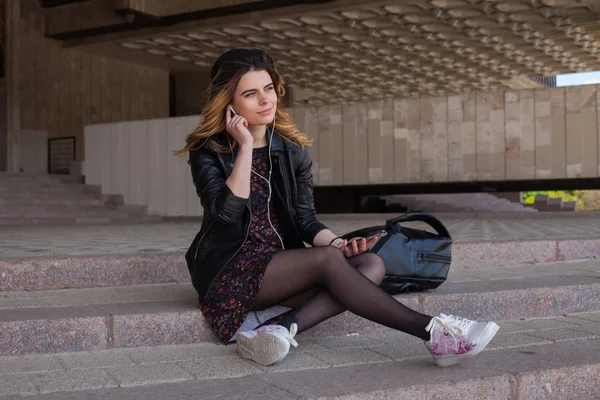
(403, 48)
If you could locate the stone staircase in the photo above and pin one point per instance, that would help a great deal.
(455, 203)
(543, 202)
(60, 200)
(116, 326)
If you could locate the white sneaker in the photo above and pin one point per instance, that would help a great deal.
(456, 339)
(268, 344)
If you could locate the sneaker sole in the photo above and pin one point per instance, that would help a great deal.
(264, 348)
(452, 360)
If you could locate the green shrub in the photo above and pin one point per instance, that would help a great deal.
(587, 200)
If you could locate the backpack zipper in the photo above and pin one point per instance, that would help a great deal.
(424, 257)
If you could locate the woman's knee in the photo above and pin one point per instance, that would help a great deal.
(374, 267)
(331, 256)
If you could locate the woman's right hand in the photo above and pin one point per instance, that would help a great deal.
(237, 126)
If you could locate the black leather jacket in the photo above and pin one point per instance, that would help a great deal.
(227, 217)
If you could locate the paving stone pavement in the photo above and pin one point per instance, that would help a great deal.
(32, 241)
(69, 372)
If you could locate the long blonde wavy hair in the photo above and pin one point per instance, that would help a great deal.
(220, 96)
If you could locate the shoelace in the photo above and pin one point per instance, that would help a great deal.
(290, 336)
(455, 326)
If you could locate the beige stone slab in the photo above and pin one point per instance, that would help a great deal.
(312, 131)
(427, 148)
(349, 145)
(455, 126)
(559, 133)
(574, 132)
(440, 139)
(325, 146)
(589, 132)
(362, 143)
(543, 134)
(513, 134)
(527, 106)
(374, 132)
(414, 140)
(469, 137)
(484, 136)
(401, 150)
(387, 142)
(498, 137)
(336, 137)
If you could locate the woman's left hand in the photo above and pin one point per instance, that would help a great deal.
(356, 246)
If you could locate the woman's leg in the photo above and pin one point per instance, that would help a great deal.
(292, 272)
(318, 305)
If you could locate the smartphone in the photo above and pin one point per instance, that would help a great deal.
(232, 113)
(378, 234)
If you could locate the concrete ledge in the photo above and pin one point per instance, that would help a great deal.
(168, 267)
(65, 221)
(547, 371)
(467, 215)
(567, 370)
(169, 313)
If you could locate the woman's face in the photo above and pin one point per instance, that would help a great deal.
(255, 98)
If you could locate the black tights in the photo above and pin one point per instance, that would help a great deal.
(338, 284)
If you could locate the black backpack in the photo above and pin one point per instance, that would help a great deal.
(415, 260)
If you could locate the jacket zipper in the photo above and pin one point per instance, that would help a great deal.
(285, 186)
(239, 248)
(202, 238)
(288, 196)
(245, 237)
(422, 257)
(234, 254)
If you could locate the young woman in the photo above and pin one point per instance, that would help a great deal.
(252, 172)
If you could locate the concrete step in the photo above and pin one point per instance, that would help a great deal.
(66, 197)
(555, 358)
(69, 210)
(49, 183)
(17, 177)
(149, 265)
(466, 202)
(89, 220)
(40, 213)
(167, 314)
(59, 189)
(49, 200)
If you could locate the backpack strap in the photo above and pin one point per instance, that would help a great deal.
(429, 219)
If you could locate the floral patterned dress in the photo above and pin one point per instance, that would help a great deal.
(231, 297)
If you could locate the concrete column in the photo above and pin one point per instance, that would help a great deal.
(13, 111)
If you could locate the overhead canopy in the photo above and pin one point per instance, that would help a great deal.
(349, 50)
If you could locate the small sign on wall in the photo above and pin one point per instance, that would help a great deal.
(61, 152)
